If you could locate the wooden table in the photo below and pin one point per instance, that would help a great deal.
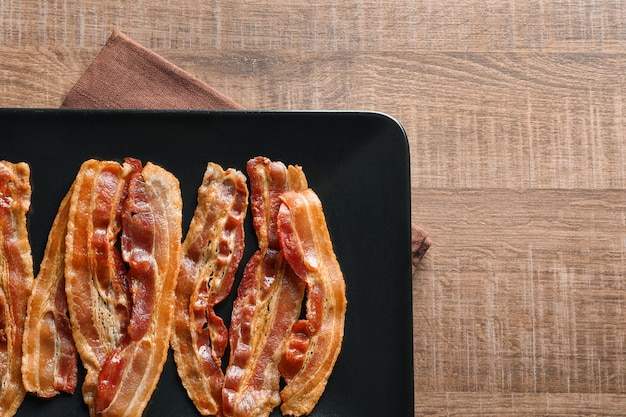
(515, 113)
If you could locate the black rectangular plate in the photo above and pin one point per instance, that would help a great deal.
(357, 162)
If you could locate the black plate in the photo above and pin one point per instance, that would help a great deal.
(357, 162)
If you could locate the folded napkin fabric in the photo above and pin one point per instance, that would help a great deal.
(126, 75)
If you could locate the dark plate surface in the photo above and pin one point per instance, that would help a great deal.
(357, 162)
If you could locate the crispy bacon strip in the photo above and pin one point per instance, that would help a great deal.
(268, 301)
(152, 233)
(315, 342)
(121, 319)
(49, 364)
(16, 280)
(211, 254)
(92, 266)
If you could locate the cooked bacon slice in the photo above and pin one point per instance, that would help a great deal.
(49, 364)
(268, 302)
(315, 342)
(121, 319)
(152, 216)
(211, 254)
(16, 280)
(93, 264)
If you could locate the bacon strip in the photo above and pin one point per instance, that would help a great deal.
(268, 301)
(152, 233)
(121, 319)
(315, 342)
(16, 280)
(94, 221)
(49, 364)
(211, 251)
(95, 213)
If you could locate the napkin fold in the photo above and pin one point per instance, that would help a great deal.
(126, 75)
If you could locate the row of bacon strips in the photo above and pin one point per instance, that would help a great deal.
(119, 308)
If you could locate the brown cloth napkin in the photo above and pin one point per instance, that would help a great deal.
(125, 75)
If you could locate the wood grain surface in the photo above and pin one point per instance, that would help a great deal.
(515, 113)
